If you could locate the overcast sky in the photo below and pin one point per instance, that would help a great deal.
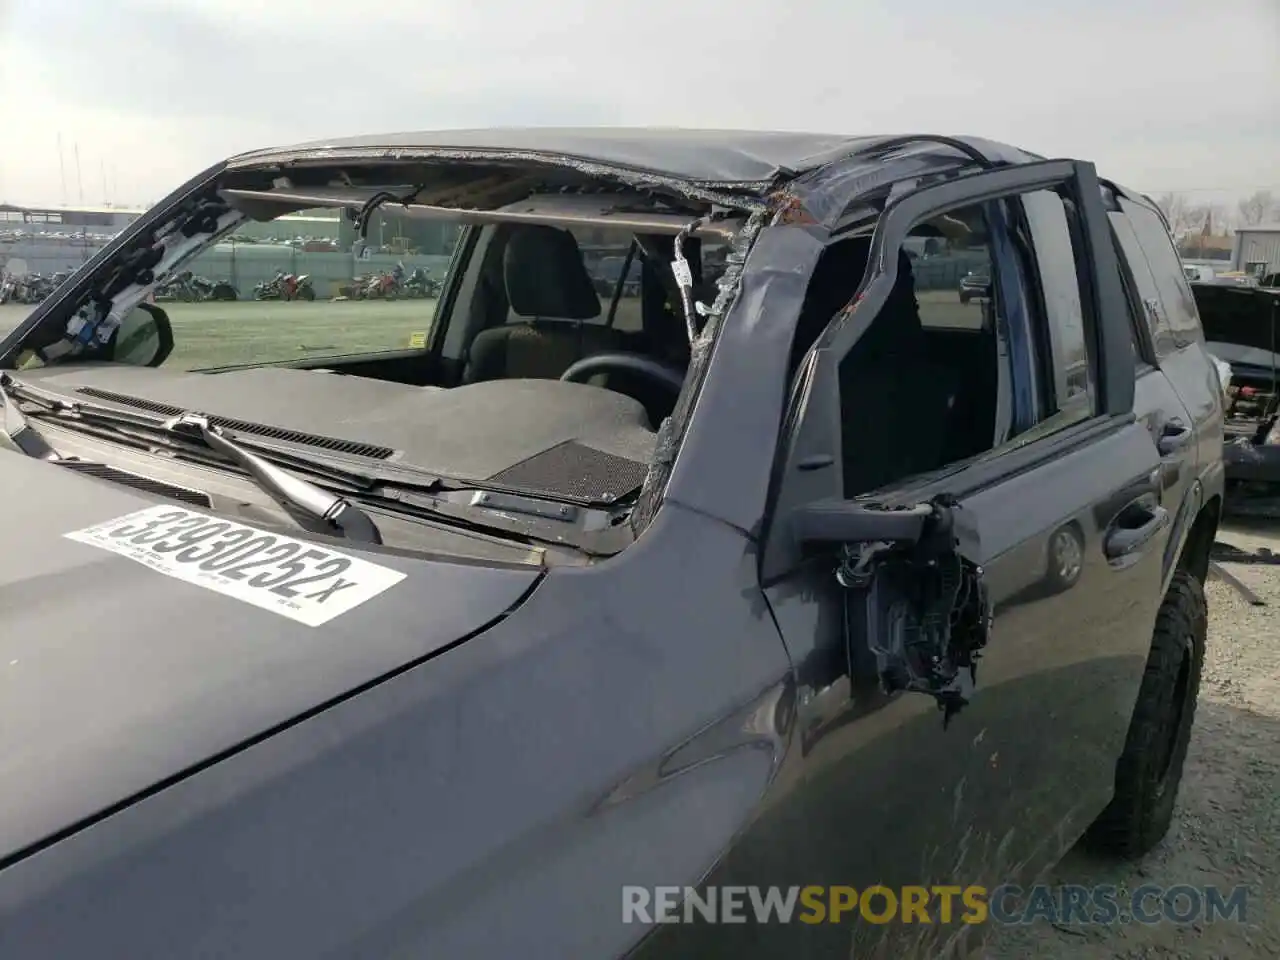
(1161, 94)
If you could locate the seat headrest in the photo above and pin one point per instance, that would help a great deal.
(545, 277)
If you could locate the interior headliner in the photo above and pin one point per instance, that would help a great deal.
(624, 211)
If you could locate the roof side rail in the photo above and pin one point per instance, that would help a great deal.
(967, 149)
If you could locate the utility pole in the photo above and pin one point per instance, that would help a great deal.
(79, 179)
(62, 168)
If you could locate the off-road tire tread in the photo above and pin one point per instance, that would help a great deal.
(1138, 818)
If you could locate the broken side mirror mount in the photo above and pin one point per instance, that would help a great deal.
(910, 598)
(829, 523)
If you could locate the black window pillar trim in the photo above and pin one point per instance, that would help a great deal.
(1114, 340)
(58, 305)
(809, 465)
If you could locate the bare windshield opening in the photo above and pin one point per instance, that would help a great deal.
(306, 286)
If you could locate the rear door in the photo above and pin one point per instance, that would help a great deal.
(1157, 404)
(882, 790)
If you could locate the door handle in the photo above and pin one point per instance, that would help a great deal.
(1134, 527)
(1174, 437)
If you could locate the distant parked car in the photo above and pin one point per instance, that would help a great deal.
(975, 283)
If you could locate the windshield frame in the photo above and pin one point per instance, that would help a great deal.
(674, 208)
(616, 210)
(79, 284)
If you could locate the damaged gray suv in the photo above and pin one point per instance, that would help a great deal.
(784, 564)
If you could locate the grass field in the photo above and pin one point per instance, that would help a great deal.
(216, 334)
(213, 334)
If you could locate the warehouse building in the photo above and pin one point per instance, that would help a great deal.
(1257, 250)
(66, 219)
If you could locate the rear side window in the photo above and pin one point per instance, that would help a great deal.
(1176, 306)
(1056, 258)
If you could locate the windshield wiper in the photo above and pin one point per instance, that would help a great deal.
(481, 508)
(312, 506)
(144, 428)
(17, 429)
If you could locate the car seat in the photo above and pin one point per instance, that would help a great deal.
(549, 289)
(895, 400)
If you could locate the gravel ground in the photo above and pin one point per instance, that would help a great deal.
(1226, 830)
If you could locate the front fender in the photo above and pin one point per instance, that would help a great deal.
(619, 728)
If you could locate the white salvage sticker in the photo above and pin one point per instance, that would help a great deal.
(299, 580)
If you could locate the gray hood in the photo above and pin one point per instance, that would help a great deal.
(117, 673)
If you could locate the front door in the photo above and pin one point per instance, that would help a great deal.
(1060, 522)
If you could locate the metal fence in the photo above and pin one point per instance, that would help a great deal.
(48, 256)
(244, 266)
(325, 247)
(241, 265)
(331, 261)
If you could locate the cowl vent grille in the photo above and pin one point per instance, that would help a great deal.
(373, 451)
(197, 498)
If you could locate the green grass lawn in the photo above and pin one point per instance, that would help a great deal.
(218, 334)
(214, 334)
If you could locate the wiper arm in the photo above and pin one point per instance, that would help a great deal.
(312, 506)
(90, 414)
(18, 431)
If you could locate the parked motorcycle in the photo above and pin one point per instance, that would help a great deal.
(20, 289)
(301, 288)
(285, 286)
(421, 284)
(386, 286)
(177, 287)
(35, 287)
(205, 289)
(270, 289)
(356, 288)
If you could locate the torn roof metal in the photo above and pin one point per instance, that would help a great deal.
(747, 161)
(713, 156)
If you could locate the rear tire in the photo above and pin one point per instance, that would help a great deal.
(1150, 768)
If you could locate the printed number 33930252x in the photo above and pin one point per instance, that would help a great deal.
(300, 580)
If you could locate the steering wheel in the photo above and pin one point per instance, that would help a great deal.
(663, 374)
